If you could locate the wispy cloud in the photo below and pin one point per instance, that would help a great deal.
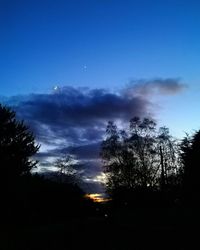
(157, 86)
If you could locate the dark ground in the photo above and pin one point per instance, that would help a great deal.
(42, 215)
(119, 230)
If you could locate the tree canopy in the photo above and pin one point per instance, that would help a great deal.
(140, 157)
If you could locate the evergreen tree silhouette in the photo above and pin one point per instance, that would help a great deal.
(190, 154)
(17, 146)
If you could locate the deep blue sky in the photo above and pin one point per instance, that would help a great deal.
(103, 44)
(45, 43)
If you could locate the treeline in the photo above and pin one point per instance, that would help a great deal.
(144, 166)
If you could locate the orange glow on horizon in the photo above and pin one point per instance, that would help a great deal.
(97, 197)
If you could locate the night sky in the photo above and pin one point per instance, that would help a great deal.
(67, 67)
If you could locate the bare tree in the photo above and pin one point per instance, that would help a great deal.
(143, 156)
(66, 169)
(169, 157)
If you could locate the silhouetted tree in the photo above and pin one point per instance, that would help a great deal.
(190, 156)
(141, 157)
(17, 146)
(169, 159)
(112, 157)
(142, 144)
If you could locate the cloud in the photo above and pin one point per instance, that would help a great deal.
(83, 152)
(77, 114)
(73, 120)
(168, 86)
(88, 156)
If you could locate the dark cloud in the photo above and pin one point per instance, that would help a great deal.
(82, 152)
(89, 151)
(88, 155)
(73, 120)
(77, 114)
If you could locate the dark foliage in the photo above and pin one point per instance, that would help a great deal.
(144, 179)
(27, 197)
(140, 158)
(190, 156)
(17, 145)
